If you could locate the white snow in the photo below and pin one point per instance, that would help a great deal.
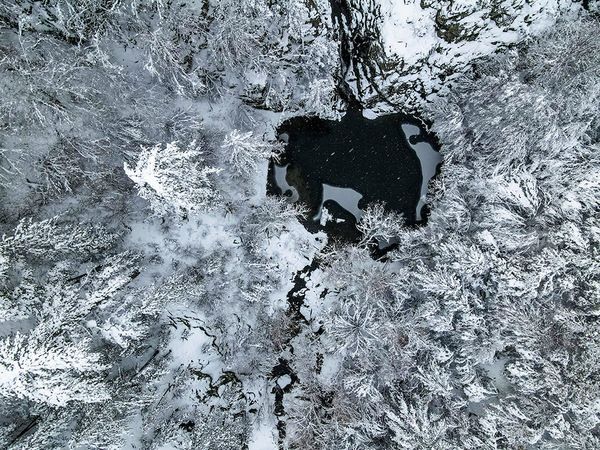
(408, 31)
(263, 437)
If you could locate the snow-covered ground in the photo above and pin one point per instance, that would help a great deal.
(419, 45)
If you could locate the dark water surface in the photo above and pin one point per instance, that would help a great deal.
(343, 166)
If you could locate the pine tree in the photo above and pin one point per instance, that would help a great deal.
(175, 179)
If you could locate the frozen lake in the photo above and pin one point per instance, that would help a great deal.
(338, 168)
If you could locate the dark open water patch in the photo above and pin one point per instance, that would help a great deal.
(338, 168)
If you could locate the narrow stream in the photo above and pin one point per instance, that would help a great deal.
(337, 168)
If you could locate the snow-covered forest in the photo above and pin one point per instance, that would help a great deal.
(153, 296)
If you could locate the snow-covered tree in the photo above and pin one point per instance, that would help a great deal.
(50, 372)
(244, 151)
(378, 224)
(175, 179)
(49, 239)
(321, 98)
(51, 362)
